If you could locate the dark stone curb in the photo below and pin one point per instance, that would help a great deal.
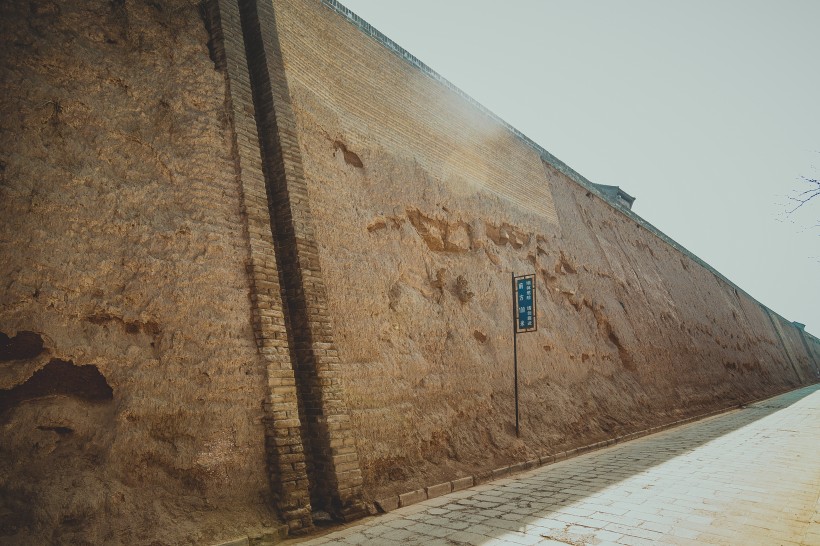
(266, 537)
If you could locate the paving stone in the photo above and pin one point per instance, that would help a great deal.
(398, 534)
(398, 523)
(657, 527)
(456, 525)
(427, 529)
(468, 537)
(436, 520)
(546, 526)
(437, 511)
(637, 541)
(606, 536)
(504, 524)
(467, 518)
(520, 538)
(355, 538)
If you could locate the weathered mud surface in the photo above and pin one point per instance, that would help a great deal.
(130, 390)
(417, 259)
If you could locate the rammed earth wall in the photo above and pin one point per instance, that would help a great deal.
(256, 263)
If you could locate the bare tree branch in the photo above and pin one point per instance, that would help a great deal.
(807, 195)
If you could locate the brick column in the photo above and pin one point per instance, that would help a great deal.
(282, 425)
(336, 480)
(812, 355)
(779, 333)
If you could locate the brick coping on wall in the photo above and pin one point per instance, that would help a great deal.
(393, 502)
(546, 156)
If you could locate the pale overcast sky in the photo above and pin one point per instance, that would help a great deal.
(705, 110)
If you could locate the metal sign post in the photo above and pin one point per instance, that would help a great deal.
(524, 320)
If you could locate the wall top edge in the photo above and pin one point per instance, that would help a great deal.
(546, 156)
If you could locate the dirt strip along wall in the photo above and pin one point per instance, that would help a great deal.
(424, 205)
(131, 387)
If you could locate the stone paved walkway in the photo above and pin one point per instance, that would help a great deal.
(751, 476)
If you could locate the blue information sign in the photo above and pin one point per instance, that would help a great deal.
(525, 315)
(524, 320)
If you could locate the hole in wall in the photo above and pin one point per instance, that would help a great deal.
(626, 358)
(207, 19)
(350, 158)
(61, 431)
(462, 291)
(59, 377)
(149, 327)
(25, 345)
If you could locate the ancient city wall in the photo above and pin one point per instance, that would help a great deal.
(256, 263)
(424, 205)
